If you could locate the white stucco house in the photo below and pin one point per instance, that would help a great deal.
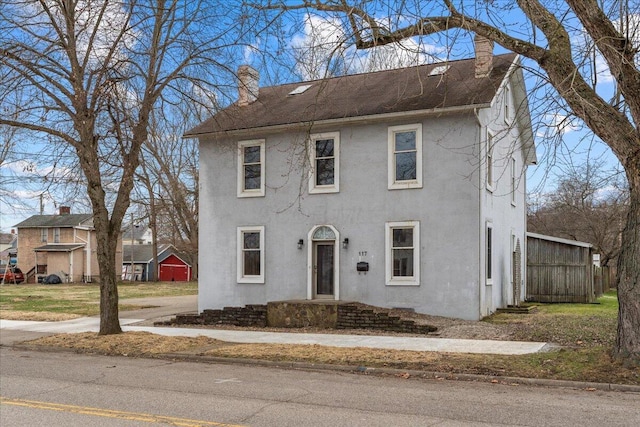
(401, 188)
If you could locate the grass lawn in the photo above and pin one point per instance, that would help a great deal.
(584, 333)
(56, 302)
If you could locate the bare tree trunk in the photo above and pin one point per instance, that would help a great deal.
(628, 339)
(107, 241)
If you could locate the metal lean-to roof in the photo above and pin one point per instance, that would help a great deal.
(59, 247)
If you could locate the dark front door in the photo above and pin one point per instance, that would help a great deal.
(324, 269)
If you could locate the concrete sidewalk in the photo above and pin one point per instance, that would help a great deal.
(11, 330)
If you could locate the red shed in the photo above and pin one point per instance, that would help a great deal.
(174, 269)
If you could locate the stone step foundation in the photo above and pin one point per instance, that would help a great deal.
(301, 314)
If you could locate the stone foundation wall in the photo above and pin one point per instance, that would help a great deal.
(299, 315)
(302, 315)
(254, 315)
(354, 316)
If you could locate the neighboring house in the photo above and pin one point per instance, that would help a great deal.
(8, 244)
(141, 235)
(63, 244)
(172, 268)
(401, 188)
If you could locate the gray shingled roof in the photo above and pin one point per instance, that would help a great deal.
(142, 253)
(42, 221)
(7, 238)
(358, 95)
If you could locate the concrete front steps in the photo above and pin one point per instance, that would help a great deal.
(305, 313)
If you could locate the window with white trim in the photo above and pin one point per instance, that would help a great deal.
(405, 156)
(506, 101)
(44, 235)
(324, 157)
(514, 182)
(489, 255)
(489, 161)
(56, 235)
(250, 254)
(402, 253)
(251, 168)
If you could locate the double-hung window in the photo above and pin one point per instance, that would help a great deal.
(324, 153)
(489, 254)
(514, 181)
(56, 235)
(507, 105)
(250, 254)
(251, 168)
(402, 253)
(489, 161)
(405, 156)
(44, 235)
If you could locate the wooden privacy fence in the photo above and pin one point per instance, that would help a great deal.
(559, 270)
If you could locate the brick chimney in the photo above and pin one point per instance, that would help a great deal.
(484, 56)
(248, 85)
(65, 210)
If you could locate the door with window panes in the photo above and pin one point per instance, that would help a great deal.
(323, 258)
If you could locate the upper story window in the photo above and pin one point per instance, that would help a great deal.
(402, 253)
(324, 153)
(507, 104)
(251, 168)
(405, 156)
(250, 254)
(489, 161)
(514, 181)
(56, 235)
(44, 235)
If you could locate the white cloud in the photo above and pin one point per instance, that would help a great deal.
(250, 51)
(556, 124)
(325, 49)
(101, 29)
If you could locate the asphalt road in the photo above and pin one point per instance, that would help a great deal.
(65, 389)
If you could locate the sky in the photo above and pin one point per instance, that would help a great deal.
(317, 40)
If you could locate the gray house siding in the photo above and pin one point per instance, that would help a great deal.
(446, 207)
(462, 119)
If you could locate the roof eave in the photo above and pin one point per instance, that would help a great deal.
(342, 120)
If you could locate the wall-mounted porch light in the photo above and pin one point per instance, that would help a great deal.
(300, 243)
(345, 243)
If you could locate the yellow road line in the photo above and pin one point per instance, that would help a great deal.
(108, 413)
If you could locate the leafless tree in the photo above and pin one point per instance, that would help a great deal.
(562, 39)
(90, 74)
(589, 204)
(169, 179)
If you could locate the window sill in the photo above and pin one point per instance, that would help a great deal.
(251, 194)
(256, 280)
(324, 190)
(405, 185)
(399, 282)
